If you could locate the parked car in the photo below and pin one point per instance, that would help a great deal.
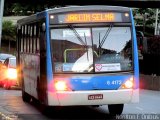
(9, 73)
(4, 56)
(1, 67)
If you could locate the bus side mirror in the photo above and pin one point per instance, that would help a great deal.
(43, 27)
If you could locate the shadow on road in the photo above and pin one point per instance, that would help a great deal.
(67, 113)
(76, 113)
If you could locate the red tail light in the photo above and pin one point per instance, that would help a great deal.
(140, 47)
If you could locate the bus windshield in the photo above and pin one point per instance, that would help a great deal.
(91, 49)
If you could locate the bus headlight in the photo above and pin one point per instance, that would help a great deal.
(61, 85)
(12, 73)
(128, 84)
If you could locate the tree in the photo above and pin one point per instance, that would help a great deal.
(8, 32)
(145, 17)
(20, 9)
(17, 9)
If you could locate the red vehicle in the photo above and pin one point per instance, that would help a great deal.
(9, 73)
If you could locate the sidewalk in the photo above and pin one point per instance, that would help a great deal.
(150, 82)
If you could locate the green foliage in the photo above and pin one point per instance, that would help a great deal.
(20, 9)
(145, 18)
(8, 30)
(17, 9)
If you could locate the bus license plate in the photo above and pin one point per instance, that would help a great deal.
(95, 96)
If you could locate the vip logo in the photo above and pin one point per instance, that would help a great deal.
(98, 67)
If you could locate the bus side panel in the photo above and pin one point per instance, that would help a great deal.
(26, 73)
(31, 71)
(135, 97)
(34, 73)
(43, 80)
(48, 53)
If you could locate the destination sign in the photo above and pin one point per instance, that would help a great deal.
(89, 17)
(92, 17)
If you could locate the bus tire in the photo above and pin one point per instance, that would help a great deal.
(115, 109)
(26, 97)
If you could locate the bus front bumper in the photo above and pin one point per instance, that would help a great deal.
(75, 98)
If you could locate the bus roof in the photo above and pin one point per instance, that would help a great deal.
(70, 9)
(87, 8)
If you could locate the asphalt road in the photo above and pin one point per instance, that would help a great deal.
(13, 108)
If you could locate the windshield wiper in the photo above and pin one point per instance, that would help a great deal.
(86, 45)
(106, 35)
(77, 35)
(104, 38)
(80, 39)
(99, 48)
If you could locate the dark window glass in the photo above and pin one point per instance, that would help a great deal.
(12, 63)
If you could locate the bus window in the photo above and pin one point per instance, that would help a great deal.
(34, 39)
(37, 37)
(25, 39)
(30, 36)
(28, 39)
(22, 39)
(115, 48)
(71, 51)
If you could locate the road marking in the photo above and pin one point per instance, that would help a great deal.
(6, 117)
(139, 108)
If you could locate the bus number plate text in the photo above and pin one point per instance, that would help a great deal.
(95, 96)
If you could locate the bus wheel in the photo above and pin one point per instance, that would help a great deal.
(115, 109)
(25, 96)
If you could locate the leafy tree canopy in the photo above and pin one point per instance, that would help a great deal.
(8, 30)
(146, 15)
(20, 9)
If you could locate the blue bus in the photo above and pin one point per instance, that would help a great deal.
(79, 55)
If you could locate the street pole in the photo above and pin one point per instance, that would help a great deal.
(155, 31)
(1, 16)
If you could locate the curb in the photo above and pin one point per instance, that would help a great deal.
(15, 88)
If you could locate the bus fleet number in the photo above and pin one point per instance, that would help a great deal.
(114, 82)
